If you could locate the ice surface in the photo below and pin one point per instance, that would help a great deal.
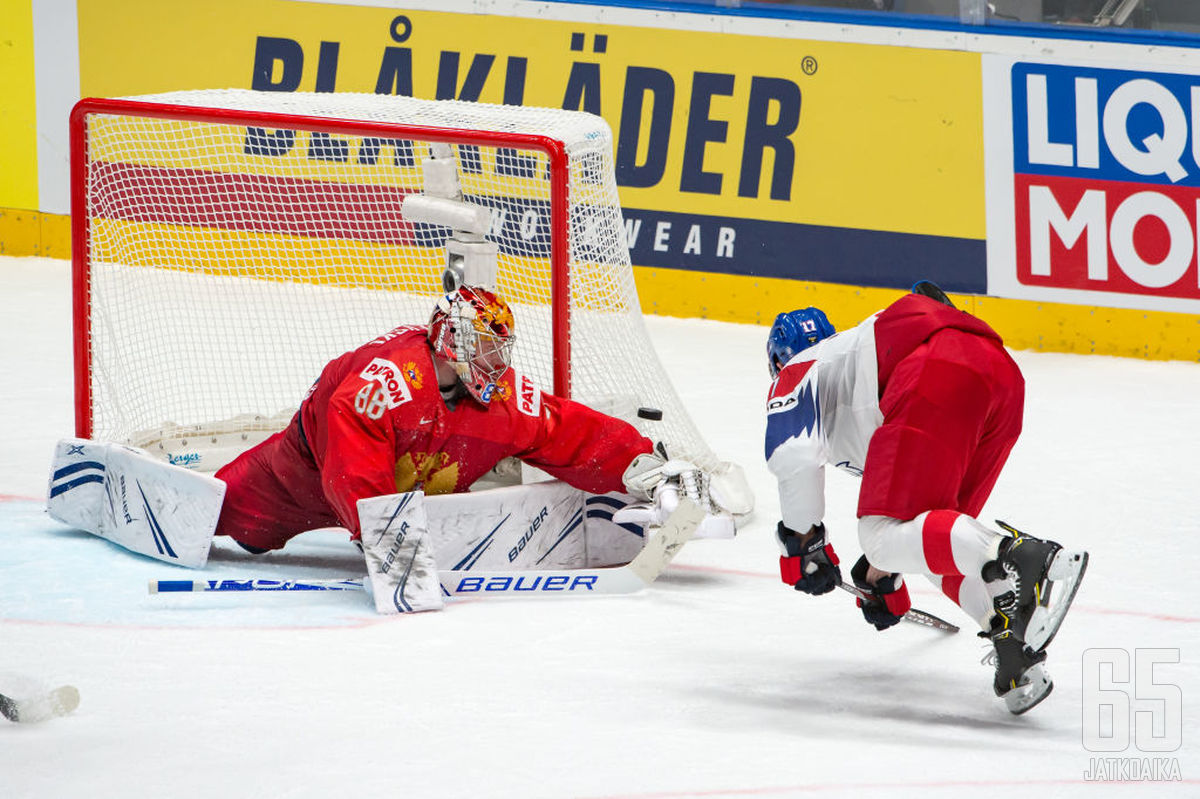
(718, 682)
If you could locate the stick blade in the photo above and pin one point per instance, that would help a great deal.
(59, 702)
(661, 547)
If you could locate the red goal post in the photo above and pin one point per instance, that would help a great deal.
(226, 244)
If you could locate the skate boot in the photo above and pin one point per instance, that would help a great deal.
(1021, 679)
(1044, 579)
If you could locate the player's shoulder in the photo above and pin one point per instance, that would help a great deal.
(794, 372)
(396, 366)
(402, 351)
(518, 392)
(399, 338)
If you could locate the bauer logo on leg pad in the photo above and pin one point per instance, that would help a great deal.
(132, 499)
(399, 554)
(164, 511)
(394, 550)
(532, 526)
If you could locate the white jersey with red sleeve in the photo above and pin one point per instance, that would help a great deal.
(823, 407)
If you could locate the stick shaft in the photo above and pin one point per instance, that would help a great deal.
(192, 586)
(634, 576)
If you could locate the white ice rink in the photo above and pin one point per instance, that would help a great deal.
(718, 682)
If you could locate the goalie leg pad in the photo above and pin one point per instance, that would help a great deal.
(146, 506)
(399, 554)
(536, 526)
(75, 494)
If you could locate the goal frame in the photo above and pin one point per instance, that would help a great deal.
(555, 151)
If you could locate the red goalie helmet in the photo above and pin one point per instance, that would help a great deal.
(472, 328)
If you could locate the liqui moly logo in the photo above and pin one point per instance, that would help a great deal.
(389, 376)
(1104, 175)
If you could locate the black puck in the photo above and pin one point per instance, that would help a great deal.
(653, 414)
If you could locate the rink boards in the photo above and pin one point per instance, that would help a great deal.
(767, 161)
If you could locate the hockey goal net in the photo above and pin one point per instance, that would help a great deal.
(227, 244)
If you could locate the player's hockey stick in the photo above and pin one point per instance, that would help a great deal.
(915, 616)
(58, 702)
(196, 586)
(644, 569)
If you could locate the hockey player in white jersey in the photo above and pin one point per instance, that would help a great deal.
(923, 402)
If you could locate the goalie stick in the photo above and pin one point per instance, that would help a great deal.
(913, 615)
(59, 702)
(644, 569)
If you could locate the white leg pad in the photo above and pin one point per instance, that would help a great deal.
(610, 542)
(135, 500)
(537, 526)
(76, 494)
(542, 525)
(399, 554)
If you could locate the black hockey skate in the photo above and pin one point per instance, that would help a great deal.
(1044, 578)
(1021, 679)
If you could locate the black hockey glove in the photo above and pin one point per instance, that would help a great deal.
(811, 566)
(887, 600)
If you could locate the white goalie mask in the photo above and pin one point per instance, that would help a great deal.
(472, 329)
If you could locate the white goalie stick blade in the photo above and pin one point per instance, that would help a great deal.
(540, 583)
(664, 542)
(58, 702)
(914, 616)
(660, 548)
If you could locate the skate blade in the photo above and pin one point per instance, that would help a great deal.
(1063, 578)
(1036, 685)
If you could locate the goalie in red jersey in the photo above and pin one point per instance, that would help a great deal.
(417, 412)
(433, 408)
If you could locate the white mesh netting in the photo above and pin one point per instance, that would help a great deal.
(227, 263)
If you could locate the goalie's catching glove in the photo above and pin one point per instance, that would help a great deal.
(659, 481)
(808, 565)
(887, 598)
(649, 472)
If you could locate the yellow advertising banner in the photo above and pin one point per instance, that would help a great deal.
(18, 111)
(735, 154)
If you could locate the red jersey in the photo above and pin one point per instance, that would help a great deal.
(376, 424)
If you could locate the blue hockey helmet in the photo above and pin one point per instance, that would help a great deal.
(794, 332)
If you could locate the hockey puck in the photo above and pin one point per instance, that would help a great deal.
(653, 414)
